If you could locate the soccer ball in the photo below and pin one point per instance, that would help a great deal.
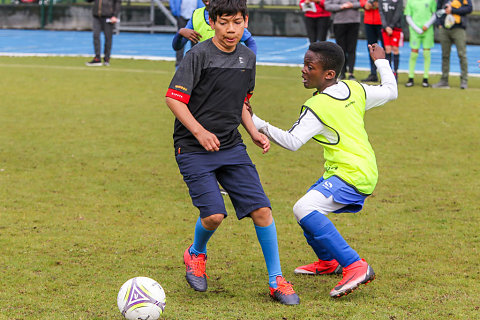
(141, 298)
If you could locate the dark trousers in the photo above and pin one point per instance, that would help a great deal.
(346, 36)
(447, 38)
(100, 24)
(317, 28)
(373, 33)
(181, 23)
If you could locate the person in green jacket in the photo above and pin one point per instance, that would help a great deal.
(420, 16)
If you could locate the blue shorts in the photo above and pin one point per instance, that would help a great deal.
(341, 192)
(234, 170)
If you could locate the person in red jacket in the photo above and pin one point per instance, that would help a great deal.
(317, 19)
(373, 31)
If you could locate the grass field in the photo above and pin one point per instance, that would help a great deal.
(90, 196)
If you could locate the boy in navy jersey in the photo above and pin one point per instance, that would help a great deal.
(207, 95)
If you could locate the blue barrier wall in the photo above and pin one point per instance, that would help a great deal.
(263, 22)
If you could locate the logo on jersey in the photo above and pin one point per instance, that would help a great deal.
(240, 60)
(180, 87)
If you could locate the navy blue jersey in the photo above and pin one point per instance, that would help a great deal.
(214, 85)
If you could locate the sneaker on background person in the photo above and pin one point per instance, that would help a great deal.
(371, 78)
(441, 85)
(96, 62)
(425, 83)
(354, 275)
(106, 62)
(320, 267)
(409, 83)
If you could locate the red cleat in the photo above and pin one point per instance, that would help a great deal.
(284, 292)
(354, 275)
(196, 266)
(320, 267)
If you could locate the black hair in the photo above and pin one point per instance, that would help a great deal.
(329, 54)
(218, 8)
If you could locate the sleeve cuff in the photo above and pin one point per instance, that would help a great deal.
(259, 123)
(177, 95)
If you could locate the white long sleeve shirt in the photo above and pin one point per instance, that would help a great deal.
(308, 125)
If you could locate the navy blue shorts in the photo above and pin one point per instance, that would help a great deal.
(234, 170)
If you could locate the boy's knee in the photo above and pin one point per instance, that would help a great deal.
(262, 217)
(213, 221)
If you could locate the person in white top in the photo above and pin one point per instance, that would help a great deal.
(334, 118)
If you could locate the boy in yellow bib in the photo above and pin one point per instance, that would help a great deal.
(334, 118)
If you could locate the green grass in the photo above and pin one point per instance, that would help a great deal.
(90, 196)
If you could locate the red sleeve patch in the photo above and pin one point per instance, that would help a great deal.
(177, 95)
(249, 95)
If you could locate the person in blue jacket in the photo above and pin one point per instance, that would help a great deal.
(182, 10)
(198, 30)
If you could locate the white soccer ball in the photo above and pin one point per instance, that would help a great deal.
(141, 298)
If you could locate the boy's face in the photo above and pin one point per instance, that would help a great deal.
(228, 31)
(313, 74)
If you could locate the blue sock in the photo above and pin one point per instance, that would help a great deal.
(317, 247)
(200, 239)
(325, 233)
(267, 236)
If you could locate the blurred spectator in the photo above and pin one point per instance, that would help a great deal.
(198, 29)
(105, 15)
(451, 23)
(346, 24)
(317, 19)
(391, 12)
(373, 32)
(182, 10)
(420, 16)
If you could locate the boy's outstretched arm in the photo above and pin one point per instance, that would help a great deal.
(258, 138)
(207, 139)
(388, 90)
(303, 130)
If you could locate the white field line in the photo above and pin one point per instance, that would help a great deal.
(158, 58)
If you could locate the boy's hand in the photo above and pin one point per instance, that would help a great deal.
(208, 140)
(376, 51)
(448, 8)
(262, 141)
(190, 34)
